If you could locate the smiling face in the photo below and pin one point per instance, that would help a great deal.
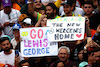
(37, 4)
(63, 55)
(67, 9)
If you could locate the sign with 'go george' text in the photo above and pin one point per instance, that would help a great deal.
(35, 42)
(66, 29)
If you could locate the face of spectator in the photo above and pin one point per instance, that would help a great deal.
(88, 9)
(24, 25)
(91, 58)
(49, 11)
(60, 64)
(7, 9)
(67, 9)
(6, 45)
(43, 22)
(63, 55)
(16, 33)
(80, 55)
(37, 4)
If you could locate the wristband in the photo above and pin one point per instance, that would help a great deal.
(29, 2)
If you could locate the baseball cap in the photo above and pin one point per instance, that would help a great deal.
(22, 16)
(6, 36)
(67, 3)
(6, 3)
(27, 21)
(82, 64)
(16, 26)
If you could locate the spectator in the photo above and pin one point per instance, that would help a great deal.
(52, 14)
(88, 8)
(68, 9)
(27, 22)
(36, 6)
(42, 21)
(94, 57)
(21, 17)
(7, 56)
(63, 55)
(9, 17)
(16, 40)
(75, 10)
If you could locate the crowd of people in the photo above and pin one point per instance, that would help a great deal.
(16, 14)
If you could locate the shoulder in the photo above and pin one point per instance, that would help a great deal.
(1, 53)
(2, 12)
(78, 8)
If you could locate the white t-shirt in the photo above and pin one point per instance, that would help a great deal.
(14, 43)
(14, 16)
(76, 11)
(9, 59)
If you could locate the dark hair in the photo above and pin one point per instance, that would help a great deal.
(2, 39)
(53, 7)
(88, 2)
(58, 61)
(21, 62)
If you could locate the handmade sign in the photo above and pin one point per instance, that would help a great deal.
(35, 42)
(66, 29)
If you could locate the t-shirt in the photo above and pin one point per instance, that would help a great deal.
(9, 59)
(14, 15)
(94, 21)
(14, 43)
(76, 11)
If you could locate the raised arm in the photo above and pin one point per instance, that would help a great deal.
(31, 9)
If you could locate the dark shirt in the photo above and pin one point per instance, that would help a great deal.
(94, 21)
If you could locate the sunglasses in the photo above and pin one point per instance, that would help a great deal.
(37, 1)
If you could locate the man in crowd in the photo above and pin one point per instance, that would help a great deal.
(75, 10)
(50, 11)
(37, 6)
(94, 18)
(8, 17)
(67, 5)
(16, 40)
(94, 57)
(63, 55)
(8, 55)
